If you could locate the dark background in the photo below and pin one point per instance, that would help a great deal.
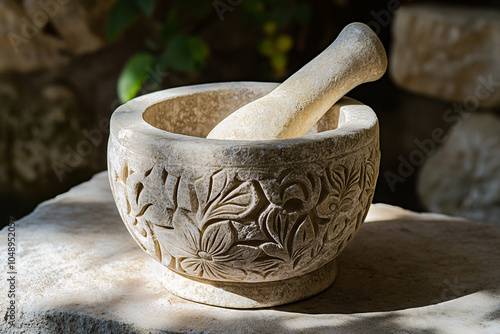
(48, 111)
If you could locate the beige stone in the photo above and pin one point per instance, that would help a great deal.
(79, 271)
(463, 177)
(27, 46)
(290, 110)
(72, 21)
(448, 52)
(24, 48)
(232, 213)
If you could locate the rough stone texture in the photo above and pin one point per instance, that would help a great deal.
(49, 109)
(28, 45)
(18, 53)
(225, 212)
(75, 22)
(44, 141)
(444, 51)
(355, 57)
(79, 271)
(463, 177)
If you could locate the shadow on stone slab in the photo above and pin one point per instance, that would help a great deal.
(493, 315)
(247, 323)
(394, 265)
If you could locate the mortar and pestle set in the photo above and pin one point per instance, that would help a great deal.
(254, 214)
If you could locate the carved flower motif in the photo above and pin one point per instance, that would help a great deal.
(343, 184)
(209, 254)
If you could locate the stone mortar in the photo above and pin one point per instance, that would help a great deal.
(239, 223)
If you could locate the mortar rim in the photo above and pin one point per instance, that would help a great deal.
(130, 130)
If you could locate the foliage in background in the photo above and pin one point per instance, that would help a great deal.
(273, 17)
(173, 42)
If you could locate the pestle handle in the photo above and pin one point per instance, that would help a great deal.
(355, 57)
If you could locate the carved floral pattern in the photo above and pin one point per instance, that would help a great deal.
(218, 225)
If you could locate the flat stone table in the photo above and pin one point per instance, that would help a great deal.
(79, 271)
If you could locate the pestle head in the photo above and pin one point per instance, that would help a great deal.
(355, 57)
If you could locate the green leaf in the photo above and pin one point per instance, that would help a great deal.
(122, 16)
(133, 75)
(146, 6)
(178, 55)
(184, 53)
(198, 49)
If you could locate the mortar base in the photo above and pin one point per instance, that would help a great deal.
(247, 295)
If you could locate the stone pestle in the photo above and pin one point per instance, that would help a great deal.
(355, 57)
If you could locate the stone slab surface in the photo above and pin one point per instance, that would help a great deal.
(79, 271)
(448, 52)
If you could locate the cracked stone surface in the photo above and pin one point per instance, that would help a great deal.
(79, 271)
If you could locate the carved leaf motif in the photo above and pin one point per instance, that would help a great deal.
(218, 182)
(276, 227)
(164, 201)
(370, 171)
(303, 241)
(240, 255)
(276, 251)
(138, 205)
(171, 184)
(291, 242)
(370, 177)
(162, 235)
(319, 244)
(134, 189)
(347, 179)
(236, 204)
(338, 226)
(208, 189)
(186, 196)
(266, 266)
(343, 183)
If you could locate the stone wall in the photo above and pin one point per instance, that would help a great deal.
(58, 87)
